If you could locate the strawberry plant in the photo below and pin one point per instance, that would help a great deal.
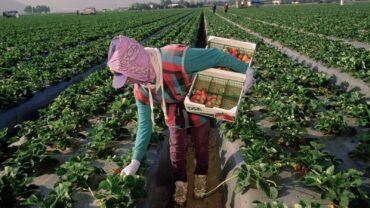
(117, 191)
(280, 110)
(244, 128)
(5, 150)
(29, 157)
(312, 156)
(289, 133)
(340, 187)
(272, 204)
(362, 151)
(111, 128)
(104, 133)
(14, 184)
(354, 105)
(59, 197)
(345, 100)
(258, 168)
(101, 135)
(257, 174)
(304, 203)
(78, 171)
(361, 113)
(330, 122)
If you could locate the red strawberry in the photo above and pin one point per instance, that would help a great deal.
(245, 59)
(202, 101)
(240, 57)
(193, 98)
(204, 92)
(117, 171)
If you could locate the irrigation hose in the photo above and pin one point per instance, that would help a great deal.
(207, 194)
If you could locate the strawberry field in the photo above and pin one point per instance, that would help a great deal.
(302, 137)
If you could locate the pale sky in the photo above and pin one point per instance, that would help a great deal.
(68, 5)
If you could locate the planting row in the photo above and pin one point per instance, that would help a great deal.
(27, 78)
(282, 124)
(40, 35)
(176, 35)
(349, 21)
(330, 52)
(58, 127)
(64, 124)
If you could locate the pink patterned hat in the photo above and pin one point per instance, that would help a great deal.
(127, 58)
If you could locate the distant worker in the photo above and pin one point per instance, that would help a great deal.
(226, 7)
(214, 8)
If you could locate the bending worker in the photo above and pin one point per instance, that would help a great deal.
(164, 76)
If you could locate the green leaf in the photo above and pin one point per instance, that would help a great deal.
(330, 170)
(33, 200)
(357, 182)
(263, 185)
(310, 180)
(273, 192)
(317, 145)
(104, 185)
(330, 194)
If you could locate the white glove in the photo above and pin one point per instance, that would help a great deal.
(131, 169)
(248, 80)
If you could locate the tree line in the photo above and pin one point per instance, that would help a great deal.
(37, 10)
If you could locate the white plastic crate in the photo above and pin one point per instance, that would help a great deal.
(223, 43)
(226, 84)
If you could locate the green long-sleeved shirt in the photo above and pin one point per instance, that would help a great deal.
(195, 60)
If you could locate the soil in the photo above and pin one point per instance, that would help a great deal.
(213, 177)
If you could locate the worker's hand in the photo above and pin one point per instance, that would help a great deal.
(131, 169)
(248, 81)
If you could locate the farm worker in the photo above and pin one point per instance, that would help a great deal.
(214, 8)
(226, 7)
(168, 71)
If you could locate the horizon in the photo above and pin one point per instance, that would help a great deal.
(68, 5)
